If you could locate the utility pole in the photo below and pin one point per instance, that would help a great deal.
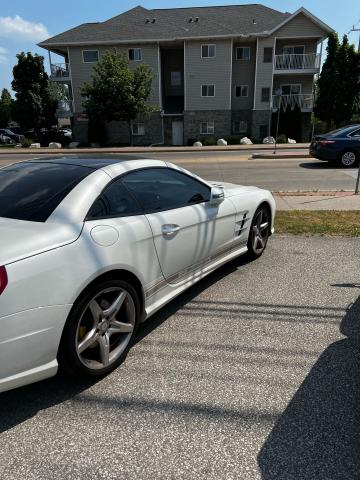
(358, 175)
(356, 30)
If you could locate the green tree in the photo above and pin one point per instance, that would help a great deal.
(338, 86)
(5, 108)
(33, 107)
(117, 92)
(327, 82)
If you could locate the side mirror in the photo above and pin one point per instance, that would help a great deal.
(217, 195)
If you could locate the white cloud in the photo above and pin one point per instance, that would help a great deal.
(3, 55)
(18, 28)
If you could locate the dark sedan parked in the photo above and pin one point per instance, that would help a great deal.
(341, 146)
(10, 134)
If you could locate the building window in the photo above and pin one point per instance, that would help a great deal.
(207, 128)
(268, 54)
(265, 94)
(208, 90)
(242, 53)
(208, 51)
(138, 129)
(294, 89)
(240, 126)
(135, 54)
(241, 90)
(175, 79)
(90, 56)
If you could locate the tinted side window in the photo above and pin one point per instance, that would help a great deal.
(164, 189)
(356, 133)
(32, 191)
(115, 201)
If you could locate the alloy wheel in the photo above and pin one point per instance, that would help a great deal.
(105, 328)
(348, 159)
(260, 231)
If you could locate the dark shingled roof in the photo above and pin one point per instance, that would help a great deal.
(174, 23)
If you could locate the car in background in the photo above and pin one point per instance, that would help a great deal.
(341, 146)
(91, 247)
(5, 132)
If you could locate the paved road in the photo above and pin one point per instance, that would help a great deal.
(252, 374)
(276, 175)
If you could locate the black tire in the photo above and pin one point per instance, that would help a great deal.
(261, 216)
(71, 361)
(348, 159)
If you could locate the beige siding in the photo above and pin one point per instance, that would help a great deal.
(310, 44)
(264, 73)
(81, 72)
(306, 82)
(300, 26)
(207, 71)
(243, 73)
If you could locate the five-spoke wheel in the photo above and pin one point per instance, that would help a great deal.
(100, 328)
(259, 231)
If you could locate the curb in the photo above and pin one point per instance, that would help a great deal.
(264, 156)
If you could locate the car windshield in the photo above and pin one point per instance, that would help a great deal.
(32, 191)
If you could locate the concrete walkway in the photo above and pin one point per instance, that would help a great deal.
(154, 149)
(318, 201)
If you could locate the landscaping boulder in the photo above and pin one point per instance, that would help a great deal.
(221, 142)
(246, 141)
(74, 144)
(290, 140)
(197, 144)
(269, 140)
(35, 145)
(55, 145)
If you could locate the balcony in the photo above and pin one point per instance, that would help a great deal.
(64, 109)
(304, 101)
(60, 71)
(297, 63)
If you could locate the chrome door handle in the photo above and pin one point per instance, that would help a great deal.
(170, 230)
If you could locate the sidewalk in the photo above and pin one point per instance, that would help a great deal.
(317, 201)
(155, 149)
(280, 154)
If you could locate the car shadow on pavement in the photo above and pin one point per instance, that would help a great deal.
(320, 165)
(318, 435)
(19, 405)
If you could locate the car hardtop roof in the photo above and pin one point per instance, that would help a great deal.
(93, 162)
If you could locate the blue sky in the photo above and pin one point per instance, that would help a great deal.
(23, 23)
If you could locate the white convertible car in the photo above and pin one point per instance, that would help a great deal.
(90, 248)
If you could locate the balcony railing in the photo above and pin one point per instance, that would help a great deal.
(306, 61)
(304, 101)
(60, 71)
(64, 109)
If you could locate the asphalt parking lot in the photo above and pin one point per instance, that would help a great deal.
(252, 374)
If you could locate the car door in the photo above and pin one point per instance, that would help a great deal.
(187, 230)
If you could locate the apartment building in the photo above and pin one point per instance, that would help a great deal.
(217, 71)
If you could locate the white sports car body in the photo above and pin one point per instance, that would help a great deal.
(89, 248)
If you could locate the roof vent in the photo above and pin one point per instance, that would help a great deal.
(147, 20)
(254, 21)
(153, 20)
(197, 19)
(190, 20)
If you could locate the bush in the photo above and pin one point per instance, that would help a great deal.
(233, 140)
(27, 142)
(191, 141)
(206, 141)
(282, 138)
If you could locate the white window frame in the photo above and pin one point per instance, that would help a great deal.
(140, 126)
(135, 59)
(241, 130)
(241, 87)
(243, 59)
(208, 45)
(207, 85)
(209, 126)
(88, 50)
(291, 85)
